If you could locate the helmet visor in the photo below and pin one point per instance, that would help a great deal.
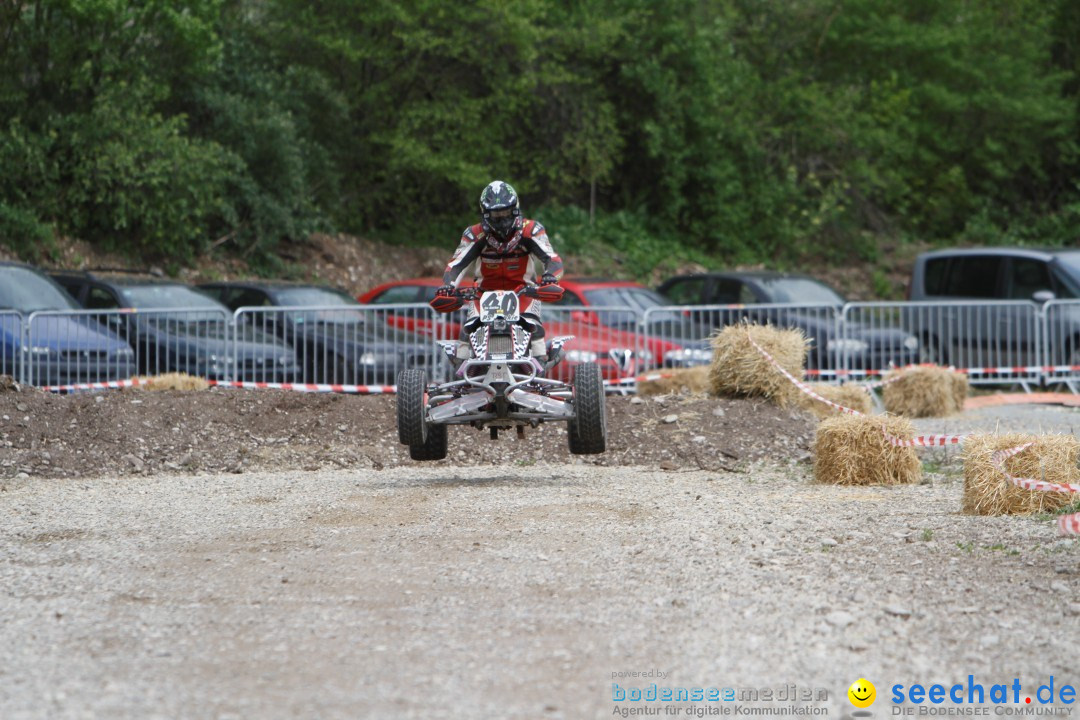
(502, 221)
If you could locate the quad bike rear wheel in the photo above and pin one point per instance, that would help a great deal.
(587, 431)
(425, 440)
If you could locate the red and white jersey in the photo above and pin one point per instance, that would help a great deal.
(499, 270)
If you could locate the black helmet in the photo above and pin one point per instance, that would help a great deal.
(500, 214)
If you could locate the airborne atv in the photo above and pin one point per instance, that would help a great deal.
(500, 386)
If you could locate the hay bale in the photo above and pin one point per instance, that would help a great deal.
(173, 381)
(683, 380)
(854, 397)
(851, 450)
(987, 492)
(925, 392)
(959, 389)
(739, 370)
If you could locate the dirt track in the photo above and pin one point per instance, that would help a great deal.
(136, 432)
(429, 592)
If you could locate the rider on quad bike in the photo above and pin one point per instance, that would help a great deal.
(505, 246)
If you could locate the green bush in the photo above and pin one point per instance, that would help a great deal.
(22, 231)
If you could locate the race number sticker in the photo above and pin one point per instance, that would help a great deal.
(499, 304)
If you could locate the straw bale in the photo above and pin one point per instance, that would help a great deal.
(739, 370)
(852, 450)
(854, 397)
(987, 492)
(173, 381)
(925, 392)
(959, 388)
(682, 380)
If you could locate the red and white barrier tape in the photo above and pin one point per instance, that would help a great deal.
(900, 373)
(998, 460)
(798, 383)
(110, 385)
(309, 387)
(1004, 370)
(924, 440)
(300, 387)
(1067, 524)
(627, 384)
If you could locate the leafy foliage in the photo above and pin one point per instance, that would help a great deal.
(658, 130)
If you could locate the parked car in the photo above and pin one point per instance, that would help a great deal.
(57, 349)
(175, 328)
(861, 346)
(615, 351)
(1019, 282)
(998, 273)
(675, 338)
(338, 340)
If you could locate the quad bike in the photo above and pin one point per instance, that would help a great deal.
(500, 386)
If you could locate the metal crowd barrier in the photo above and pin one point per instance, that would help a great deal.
(1061, 334)
(994, 342)
(348, 345)
(73, 346)
(11, 335)
(93, 346)
(685, 329)
(605, 335)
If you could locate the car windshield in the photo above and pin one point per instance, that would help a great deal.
(24, 290)
(637, 298)
(314, 297)
(169, 297)
(324, 298)
(1070, 264)
(146, 297)
(802, 291)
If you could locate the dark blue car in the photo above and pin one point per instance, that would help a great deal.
(175, 328)
(337, 339)
(796, 301)
(45, 341)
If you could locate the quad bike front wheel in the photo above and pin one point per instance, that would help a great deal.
(425, 440)
(587, 431)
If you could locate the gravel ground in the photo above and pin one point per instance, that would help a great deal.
(508, 591)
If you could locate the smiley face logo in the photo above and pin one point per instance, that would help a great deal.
(862, 693)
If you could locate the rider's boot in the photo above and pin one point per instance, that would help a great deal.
(538, 349)
(464, 352)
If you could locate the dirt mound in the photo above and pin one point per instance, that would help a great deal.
(138, 432)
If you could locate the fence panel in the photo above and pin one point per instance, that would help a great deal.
(873, 338)
(63, 348)
(1061, 334)
(994, 342)
(11, 334)
(684, 329)
(605, 335)
(353, 345)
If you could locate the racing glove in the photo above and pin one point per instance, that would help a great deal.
(549, 289)
(446, 300)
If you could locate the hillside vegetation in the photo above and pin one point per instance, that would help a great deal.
(657, 132)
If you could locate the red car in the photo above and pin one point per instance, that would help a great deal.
(615, 350)
(671, 337)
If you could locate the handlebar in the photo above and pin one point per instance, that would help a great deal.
(472, 293)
